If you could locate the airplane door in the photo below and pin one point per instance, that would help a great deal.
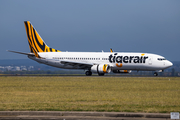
(150, 61)
(46, 56)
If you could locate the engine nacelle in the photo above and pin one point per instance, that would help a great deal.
(121, 71)
(100, 69)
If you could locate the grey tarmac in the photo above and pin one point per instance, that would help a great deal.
(73, 115)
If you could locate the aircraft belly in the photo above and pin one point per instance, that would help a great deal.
(131, 67)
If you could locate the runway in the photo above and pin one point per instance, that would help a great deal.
(64, 75)
(68, 115)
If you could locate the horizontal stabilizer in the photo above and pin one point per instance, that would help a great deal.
(31, 54)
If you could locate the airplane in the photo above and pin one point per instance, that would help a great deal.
(92, 62)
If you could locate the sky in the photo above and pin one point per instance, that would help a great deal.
(146, 26)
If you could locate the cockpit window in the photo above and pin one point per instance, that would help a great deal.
(161, 59)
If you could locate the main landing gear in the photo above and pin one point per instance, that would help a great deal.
(101, 74)
(155, 74)
(88, 73)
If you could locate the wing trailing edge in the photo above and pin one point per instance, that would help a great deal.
(79, 64)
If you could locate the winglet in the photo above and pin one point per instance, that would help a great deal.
(111, 50)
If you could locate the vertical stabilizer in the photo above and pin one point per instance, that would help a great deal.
(36, 43)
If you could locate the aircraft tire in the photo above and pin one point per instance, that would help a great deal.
(155, 74)
(101, 74)
(88, 73)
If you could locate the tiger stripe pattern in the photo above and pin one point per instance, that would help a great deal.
(36, 43)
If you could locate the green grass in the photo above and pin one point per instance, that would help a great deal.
(119, 94)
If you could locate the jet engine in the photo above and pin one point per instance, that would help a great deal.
(121, 71)
(101, 69)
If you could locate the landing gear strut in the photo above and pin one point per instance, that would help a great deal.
(88, 73)
(155, 74)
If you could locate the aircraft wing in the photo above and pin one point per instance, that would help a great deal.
(31, 54)
(80, 65)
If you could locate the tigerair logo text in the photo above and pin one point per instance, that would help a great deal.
(127, 59)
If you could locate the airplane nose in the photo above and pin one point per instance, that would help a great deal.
(169, 64)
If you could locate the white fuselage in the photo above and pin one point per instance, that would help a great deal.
(92, 62)
(116, 60)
